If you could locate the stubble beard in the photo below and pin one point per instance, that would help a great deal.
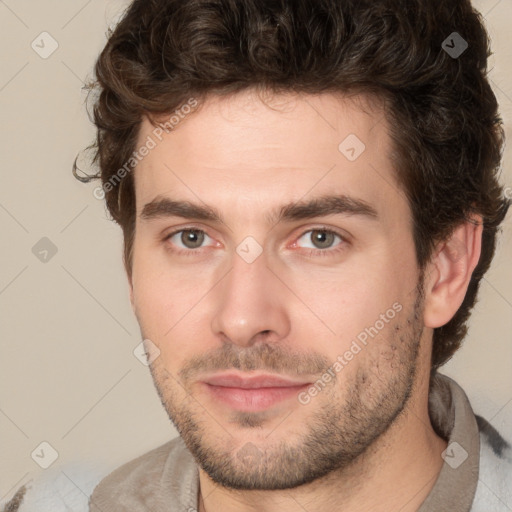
(348, 417)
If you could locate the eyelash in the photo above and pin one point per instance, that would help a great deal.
(309, 252)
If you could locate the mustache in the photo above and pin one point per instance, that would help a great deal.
(272, 358)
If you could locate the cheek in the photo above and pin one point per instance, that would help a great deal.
(355, 290)
(362, 300)
(160, 291)
(156, 305)
(168, 307)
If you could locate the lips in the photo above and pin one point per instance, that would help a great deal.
(258, 381)
(255, 393)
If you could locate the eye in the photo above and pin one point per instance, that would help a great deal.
(188, 238)
(321, 239)
(190, 241)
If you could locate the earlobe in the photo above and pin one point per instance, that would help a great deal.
(450, 271)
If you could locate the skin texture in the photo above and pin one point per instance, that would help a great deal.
(365, 440)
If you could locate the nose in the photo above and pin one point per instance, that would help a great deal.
(250, 304)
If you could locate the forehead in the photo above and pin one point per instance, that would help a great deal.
(231, 126)
(243, 152)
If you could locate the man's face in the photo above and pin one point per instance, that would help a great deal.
(328, 302)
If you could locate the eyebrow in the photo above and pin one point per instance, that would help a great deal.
(162, 207)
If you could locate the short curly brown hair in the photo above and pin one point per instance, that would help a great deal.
(442, 113)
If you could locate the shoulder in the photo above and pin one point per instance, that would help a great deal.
(58, 489)
(76, 487)
(141, 468)
(158, 478)
(494, 488)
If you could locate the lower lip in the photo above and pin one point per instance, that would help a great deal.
(257, 399)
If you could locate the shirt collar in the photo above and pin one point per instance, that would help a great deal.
(453, 419)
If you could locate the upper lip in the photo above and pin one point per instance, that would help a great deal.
(231, 380)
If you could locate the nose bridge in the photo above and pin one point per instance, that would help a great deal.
(249, 302)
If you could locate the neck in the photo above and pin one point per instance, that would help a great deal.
(397, 472)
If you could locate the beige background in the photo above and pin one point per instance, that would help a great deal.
(68, 375)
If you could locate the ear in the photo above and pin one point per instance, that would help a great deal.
(449, 272)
